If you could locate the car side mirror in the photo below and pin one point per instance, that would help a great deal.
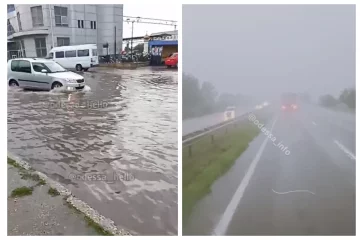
(44, 71)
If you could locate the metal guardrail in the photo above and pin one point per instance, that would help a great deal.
(192, 136)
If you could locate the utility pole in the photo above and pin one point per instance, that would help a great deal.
(132, 35)
(51, 27)
(115, 43)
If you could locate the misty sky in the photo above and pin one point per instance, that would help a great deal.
(158, 11)
(264, 50)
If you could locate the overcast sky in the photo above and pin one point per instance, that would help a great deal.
(268, 49)
(158, 11)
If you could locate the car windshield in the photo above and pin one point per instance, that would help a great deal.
(54, 67)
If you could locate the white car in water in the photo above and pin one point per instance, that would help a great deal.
(43, 74)
(229, 113)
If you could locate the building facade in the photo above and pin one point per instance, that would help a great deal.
(34, 29)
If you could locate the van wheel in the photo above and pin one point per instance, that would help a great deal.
(56, 85)
(13, 83)
(78, 67)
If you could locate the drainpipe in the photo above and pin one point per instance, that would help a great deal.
(51, 28)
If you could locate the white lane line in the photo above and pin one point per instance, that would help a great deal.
(227, 216)
(293, 191)
(345, 150)
(314, 123)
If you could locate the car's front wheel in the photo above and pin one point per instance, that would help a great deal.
(56, 85)
(13, 83)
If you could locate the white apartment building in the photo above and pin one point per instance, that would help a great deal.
(34, 29)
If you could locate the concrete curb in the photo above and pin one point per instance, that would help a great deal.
(106, 223)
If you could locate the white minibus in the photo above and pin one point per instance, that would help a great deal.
(78, 57)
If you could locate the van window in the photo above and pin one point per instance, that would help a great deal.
(59, 54)
(83, 53)
(21, 66)
(94, 52)
(70, 54)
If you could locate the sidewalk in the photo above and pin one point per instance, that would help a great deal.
(37, 211)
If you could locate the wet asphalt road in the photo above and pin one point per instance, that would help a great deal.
(195, 124)
(309, 190)
(114, 145)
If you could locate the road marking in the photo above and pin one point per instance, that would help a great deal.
(314, 123)
(293, 191)
(227, 216)
(345, 150)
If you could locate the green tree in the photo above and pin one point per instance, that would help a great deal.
(348, 96)
(139, 48)
(328, 101)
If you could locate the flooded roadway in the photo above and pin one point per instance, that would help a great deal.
(113, 145)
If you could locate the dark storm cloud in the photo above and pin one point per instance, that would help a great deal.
(264, 50)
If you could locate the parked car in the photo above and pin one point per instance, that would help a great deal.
(78, 57)
(44, 74)
(172, 60)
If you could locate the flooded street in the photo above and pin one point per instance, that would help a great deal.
(114, 145)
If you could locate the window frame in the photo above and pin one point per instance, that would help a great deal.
(56, 54)
(37, 16)
(61, 14)
(88, 53)
(40, 48)
(70, 56)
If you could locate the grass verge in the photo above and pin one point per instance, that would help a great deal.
(53, 192)
(21, 191)
(210, 160)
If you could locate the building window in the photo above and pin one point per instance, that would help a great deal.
(37, 16)
(61, 16)
(80, 23)
(93, 24)
(40, 45)
(23, 48)
(10, 29)
(61, 41)
(19, 21)
(10, 8)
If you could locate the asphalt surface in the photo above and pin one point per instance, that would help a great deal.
(195, 124)
(300, 183)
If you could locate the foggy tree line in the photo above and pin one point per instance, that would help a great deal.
(347, 97)
(202, 98)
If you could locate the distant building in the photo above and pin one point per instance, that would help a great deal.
(34, 29)
(160, 44)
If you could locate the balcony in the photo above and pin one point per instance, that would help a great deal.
(34, 31)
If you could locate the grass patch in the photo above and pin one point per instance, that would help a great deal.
(53, 192)
(13, 163)
(97, 227)
(32, 176)
(21, 191)
(208, 161)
